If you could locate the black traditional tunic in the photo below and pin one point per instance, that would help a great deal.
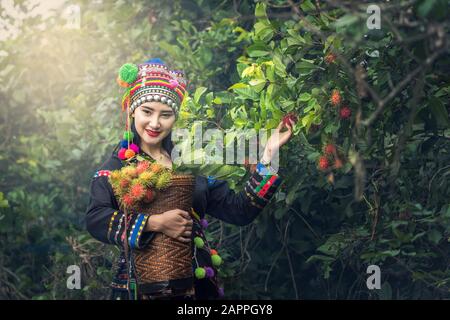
(105, 221)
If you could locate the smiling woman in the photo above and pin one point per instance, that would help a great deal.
(153, 122)
(165, 254)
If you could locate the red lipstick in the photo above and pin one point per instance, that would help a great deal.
(152, 133)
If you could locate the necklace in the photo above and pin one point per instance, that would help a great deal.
(162, 154)
(160, 157)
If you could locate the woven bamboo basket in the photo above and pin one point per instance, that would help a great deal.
(166, 263)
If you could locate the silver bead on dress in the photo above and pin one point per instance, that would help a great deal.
(163, 99)
(157, 98)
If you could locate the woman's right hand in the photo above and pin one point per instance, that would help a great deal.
(174, 223)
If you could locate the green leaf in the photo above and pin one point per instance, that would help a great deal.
(260, 10)
(198, 93)
(425, 7)
(280, 68)
(308, 119)
(434, 236)
(217, 100)
(3, 201)
(171, 49)
(307, 6)
(295, 39)
(319, 257)
(238, 85)
(305, 67)
(257, 53)
(209, 98)
(385, 293)
(280, 212)
(346, 21)
(257, 84)
(390, 253)
(439, 112)
(305, 97)
(263, 31)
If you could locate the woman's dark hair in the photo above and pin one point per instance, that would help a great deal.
(167, 143)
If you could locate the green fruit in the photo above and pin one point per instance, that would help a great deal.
(200, 273)
(216, 260)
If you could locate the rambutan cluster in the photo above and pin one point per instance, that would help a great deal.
(136, 184)
(336, 100)
(330, 58)
(330, 159)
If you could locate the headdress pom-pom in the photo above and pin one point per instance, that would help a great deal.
(129, 153)
(155, 60)
(124, 144)
(134, 147)
(173, 83)
(122, 83)
(128, 73)
(127, 134)
(121, 154)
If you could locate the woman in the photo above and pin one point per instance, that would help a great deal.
(152, 100)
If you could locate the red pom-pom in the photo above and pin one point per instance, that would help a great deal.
(121, 153)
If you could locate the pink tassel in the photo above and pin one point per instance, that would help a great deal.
(134, 147)
(121, 153)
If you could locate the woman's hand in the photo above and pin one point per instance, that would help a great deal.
(278, 139)
(175, 223)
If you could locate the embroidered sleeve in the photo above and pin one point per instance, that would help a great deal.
(261, 186)
(242, 208)
(135, 225)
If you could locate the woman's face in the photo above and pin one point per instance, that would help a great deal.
(153, 121)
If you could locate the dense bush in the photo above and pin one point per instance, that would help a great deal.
(366, 175)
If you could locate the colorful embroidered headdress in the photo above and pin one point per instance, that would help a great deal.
(146, 82)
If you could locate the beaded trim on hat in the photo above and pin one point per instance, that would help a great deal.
(155, 82)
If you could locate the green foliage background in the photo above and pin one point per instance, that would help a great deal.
(249, 63)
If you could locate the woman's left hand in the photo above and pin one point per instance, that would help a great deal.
(278, 139)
